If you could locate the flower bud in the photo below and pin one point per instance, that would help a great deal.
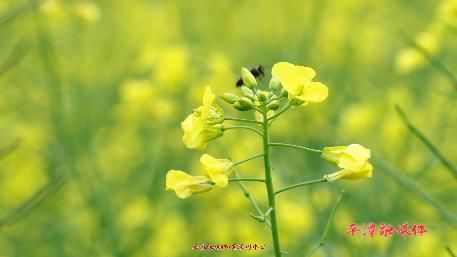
(275, 85)
(263, 96)
(257, 217)
(244, 101)
(241, 107)
(248, 79)
(229, 98)
(284, 93)
(273, 105)
(247, 93)
(272, 97)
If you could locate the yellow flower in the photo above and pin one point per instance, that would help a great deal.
(88, 11)
(185, 185)
(353, 159)
(216, 169)
(204, 124)
(410, 59)
(448, 12)
(297, 81)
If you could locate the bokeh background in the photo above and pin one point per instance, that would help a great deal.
(93, 93)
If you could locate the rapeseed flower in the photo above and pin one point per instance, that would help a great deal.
(298, 82)
(204, 124)
(217, 169)
(185, 185)
(353, 159)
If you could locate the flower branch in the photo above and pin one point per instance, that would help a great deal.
(306, 183)
(244, 127)
(296, 146)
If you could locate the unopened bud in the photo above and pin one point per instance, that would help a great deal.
(247, 93)
(283, 93)
(244, 101)
(273, 105)
(263, 96)
(248, 79)
(229, 98)
(275, 85)
(272, 97)
(258, 218)
(241, 106)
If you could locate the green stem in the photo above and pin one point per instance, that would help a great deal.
(34, 201)
(258, 109)
(327, 226)
(243, 120)
(434, 61)
(251, 199)
(8, 149)
(246, 179)
(269, 184)
(296, 146)
(13, 59)
(248, 159)
(244, 127)
(286, 107)
(426, 141)
(414, 188)
(449, 250)
(321, 180)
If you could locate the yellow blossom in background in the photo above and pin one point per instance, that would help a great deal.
(428, 41)
(353, 159)
(175, 228)
(185, 185)
(297, 80)
(87, 11)
(357, 119)
(216, 169)
(137, 92)
(411, 58)
(205, 124)
(448, 12)
(408, 60)
(135, 213)
(21, 179)
(172, 66)
(294, 219)
(52, 8)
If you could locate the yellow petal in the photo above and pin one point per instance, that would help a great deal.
(176, 177)
(185, 185)
(183, 193)
(333, 153)
(354, 157)
(313, 92)
(186, 125)
(208, 97)
(206, 158)
(365, 172)
(292, 77)
(216, 169)
(305, 73)
(358, 151)
(220, 179)
(193, 137)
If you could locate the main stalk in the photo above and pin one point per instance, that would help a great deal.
(269, 184)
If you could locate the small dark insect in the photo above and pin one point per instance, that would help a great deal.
(258, 73)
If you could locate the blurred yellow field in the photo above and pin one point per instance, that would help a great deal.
(228, 128)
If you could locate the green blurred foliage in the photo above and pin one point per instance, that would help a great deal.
(95, 92)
